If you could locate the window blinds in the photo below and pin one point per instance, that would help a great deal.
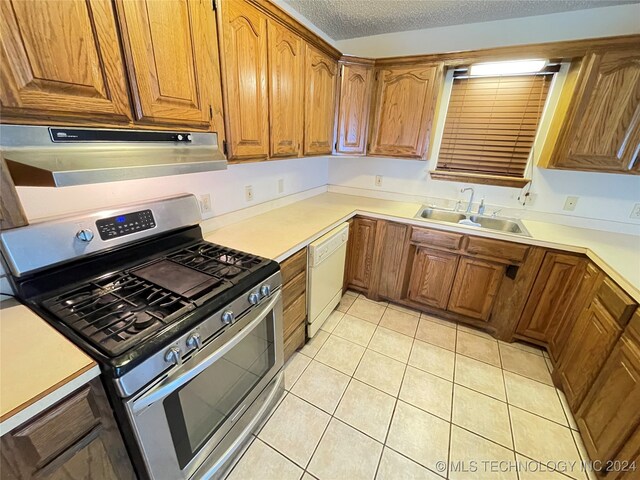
(491, 123)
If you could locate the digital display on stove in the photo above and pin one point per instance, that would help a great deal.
(114, 227)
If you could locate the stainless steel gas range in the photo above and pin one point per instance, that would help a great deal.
(188, 334)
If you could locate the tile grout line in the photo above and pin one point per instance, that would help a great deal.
(453, 391)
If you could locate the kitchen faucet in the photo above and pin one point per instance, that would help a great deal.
(470, 199)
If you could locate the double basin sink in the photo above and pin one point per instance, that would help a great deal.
(507, 225)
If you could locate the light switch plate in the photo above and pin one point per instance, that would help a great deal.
(570, 203)
(378, 180)
(205, 203)
(635, 213)
(248, 193)
(281, 185)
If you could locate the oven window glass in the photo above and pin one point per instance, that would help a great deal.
(201, 407)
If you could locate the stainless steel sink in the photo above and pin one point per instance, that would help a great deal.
(440, 215)
(507, 225)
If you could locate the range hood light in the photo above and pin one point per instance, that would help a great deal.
(506, 68)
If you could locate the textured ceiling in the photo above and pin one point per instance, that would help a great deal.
(342, 19)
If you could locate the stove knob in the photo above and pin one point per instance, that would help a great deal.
(180, 137)
(84, 235)
(254, 298)
(227, 317)
(265, 290)
(173, 355)
(194, 341)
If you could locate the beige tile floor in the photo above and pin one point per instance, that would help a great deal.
(384, 392)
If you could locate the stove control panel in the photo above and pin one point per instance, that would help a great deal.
(126, 224)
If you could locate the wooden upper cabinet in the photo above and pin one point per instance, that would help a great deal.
(432, 277)
(321, 74)
(286, 91)
(404, 100)
(244, 60)
(475, 287)
(353, 110)
(362, 234)
(61, 59)
(601, 131)
(173, 65)
(556, 284)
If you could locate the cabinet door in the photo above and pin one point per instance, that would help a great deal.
(405, 99)
(393, 260)
(475, 287)
(588, 346)
(602, 127)
(556, 284)
(173, 62)
(321, 74)
(610, 414)
(353, 111)
(61, 59)
(362, 235)
(244, 58)
(286, 83)
(432, 277)
(578, 303)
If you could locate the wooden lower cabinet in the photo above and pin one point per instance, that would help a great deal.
(294, 301)
(556, 284)
(475, 287)
(432, 277)
(394, 253)
(360, 251)
(77, 438)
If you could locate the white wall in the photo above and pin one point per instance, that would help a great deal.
(594, 22)
(227, 188)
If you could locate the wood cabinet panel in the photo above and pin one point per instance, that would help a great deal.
(353, 110)
(432, 277)
(286, 91)
(294, 342)
(588, 346)
(436, 238)
(76, 438)
(321, 75)
(404, 98)
(616, 301)
(393, 260)
(61, 59)
(244, 47)
(609, 414)
(584, 294)
(294, 315)
(475, 287)
(362, 233)
(556, 284)
(496, 249)
(173, 70)
(292, 290)
(292, 266)
(602, 127)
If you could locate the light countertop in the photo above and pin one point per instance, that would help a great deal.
(280, 232)
(39, 365)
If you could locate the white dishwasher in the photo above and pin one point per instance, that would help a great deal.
(326, 275)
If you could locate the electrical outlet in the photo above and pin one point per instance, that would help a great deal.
(378, 180)
(635, 213)
(281, 185)
(205, 203)
(248, 193)
(570, 203)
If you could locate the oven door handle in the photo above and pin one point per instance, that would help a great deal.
(169, 385)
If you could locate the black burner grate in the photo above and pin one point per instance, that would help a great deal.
(116, 312)
(221, 262)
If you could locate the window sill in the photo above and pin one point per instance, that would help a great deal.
(479, 178)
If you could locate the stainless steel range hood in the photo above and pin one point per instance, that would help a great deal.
(61, 156)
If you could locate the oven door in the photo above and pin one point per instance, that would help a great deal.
(180, 420)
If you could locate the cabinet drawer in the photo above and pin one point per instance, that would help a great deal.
(435, 238)
(293, 266)
(294, 315)
(616, 301)
(294, 289)
(58, 428)
(497, 249)
(294, 342)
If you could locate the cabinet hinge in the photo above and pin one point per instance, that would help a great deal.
(224, 147)
(210, 112)
(214, 7)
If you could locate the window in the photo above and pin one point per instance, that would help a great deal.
(490, 127)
